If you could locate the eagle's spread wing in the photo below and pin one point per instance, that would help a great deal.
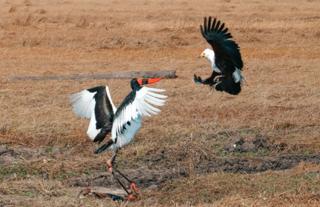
(227, 51)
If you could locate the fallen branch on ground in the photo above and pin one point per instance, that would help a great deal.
(96, 76)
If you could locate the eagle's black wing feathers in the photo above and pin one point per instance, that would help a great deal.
(226, 50)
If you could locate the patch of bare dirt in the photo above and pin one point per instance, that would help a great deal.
(10, 154)
(254, 165)
(153, 178)
(258, 143)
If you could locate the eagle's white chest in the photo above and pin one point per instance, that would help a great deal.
(126, 135)
(212, 58)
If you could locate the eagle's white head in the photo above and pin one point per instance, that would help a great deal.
(209, 55)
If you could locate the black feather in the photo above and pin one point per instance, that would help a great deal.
(209, 23)
(217, 26)
(205, 24)
(103, 110)
(228, 85)
(221, 27)
(219, 38)
(213, 24)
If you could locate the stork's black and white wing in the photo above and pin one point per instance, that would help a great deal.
(227, 51)
(136, 105)
(95, 104)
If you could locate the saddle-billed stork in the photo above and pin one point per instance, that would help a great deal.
(225, 58)
(123, 122)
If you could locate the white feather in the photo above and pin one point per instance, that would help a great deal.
(110, 99)
(83, 103)
(155, 101)
(237, 77)
(155, 89)
(143, 105)
(151, 108)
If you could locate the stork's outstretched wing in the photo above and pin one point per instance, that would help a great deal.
(226, 50)
(95, 104)
(137, 104)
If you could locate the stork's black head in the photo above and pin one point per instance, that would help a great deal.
(136, 84)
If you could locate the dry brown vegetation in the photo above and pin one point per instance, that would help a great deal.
(183, 156)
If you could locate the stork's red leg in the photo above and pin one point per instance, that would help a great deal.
(133, 185)
(117, 179)
(111, 161)
(134, 191)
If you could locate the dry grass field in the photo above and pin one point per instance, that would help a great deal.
(184, 156)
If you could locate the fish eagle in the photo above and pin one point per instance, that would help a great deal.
(224, 58)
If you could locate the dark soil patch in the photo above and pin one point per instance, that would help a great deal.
(255, 144)
(147, 178)
(166, 166)
(9, 155)
(15, 153)
(144, 177)
(254, 165)
(163, 165)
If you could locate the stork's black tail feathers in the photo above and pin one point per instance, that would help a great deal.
(104, 147)
(103, 133)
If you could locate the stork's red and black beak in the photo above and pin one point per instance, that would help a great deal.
(145, 81)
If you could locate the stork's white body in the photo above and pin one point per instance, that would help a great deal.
(127, 136)
(128, 121)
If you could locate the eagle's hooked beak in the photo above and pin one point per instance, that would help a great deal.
(144, 81)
